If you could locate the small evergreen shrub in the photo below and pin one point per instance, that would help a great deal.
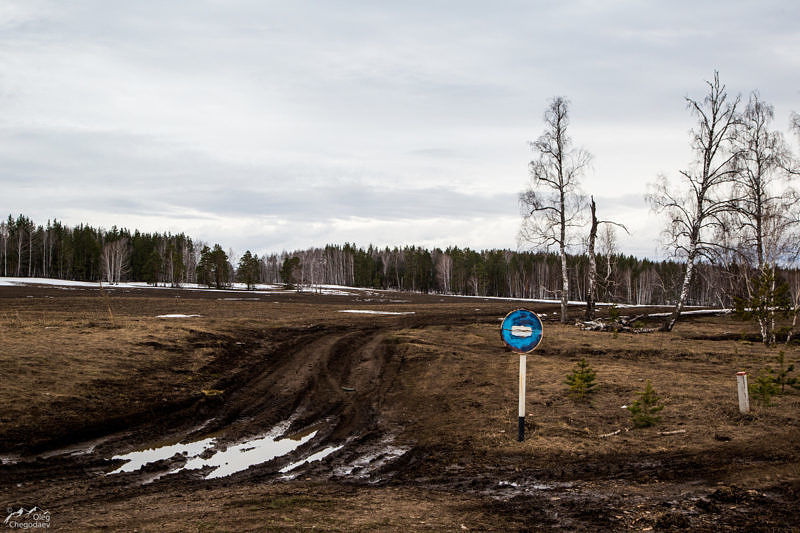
(763, 387)
(581, 380)
(782, 378)
(644, 411)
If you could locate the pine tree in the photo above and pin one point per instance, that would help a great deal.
(248, 270)
(581, 380)
(288, 268)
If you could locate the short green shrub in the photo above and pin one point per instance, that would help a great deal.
(581, 380)
(763, 387)
(644, 410)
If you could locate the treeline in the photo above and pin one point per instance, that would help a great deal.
(503, 273)
(85, 253)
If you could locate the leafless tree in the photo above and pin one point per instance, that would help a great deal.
(114, 259)
(591, 288)
(4, 234)
(696, 209)
(552, 204)
(761, 188)
(444, 271)
(765, 203)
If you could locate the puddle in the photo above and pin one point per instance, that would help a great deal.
(81, 448)
(203, 453)
(509, 489)
(366, 464)
(311, 458)
(9, 459)
(138, 459)
(242, 456)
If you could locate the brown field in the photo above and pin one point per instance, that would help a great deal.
(423, 405)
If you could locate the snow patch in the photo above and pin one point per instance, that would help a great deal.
(372, 312)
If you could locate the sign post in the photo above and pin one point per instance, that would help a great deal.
(521, 330)
(744, 397)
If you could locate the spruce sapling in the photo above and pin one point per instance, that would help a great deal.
(644, 410)
(581, 380)
(763, 387)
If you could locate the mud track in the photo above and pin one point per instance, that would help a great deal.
(419, 410)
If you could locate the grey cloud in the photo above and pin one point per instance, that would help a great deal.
(301, 110)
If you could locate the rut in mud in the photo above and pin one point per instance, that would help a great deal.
(323, 379)
(398, 420)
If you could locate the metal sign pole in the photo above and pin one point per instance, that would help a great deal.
(522, 371)
(521, 331)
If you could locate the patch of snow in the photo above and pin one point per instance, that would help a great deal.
(697, 312)
(372, 312)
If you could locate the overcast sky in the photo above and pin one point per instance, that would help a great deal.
(282, 125)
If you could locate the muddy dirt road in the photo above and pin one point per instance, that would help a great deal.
(291, 411)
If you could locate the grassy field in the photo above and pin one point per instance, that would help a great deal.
(422, 404)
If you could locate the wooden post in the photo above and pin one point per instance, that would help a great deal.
(744, 395)
(523, 359)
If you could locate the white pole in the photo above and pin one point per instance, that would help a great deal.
(744, 396)
(522, 371)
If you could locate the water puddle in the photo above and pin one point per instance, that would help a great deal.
(365, 465)
(138, 459)
(9, 459)
(509, 489)
(203, 454)
(81, 448)
(318, 456)
(242, 456)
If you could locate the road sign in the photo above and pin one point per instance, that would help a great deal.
(521, 330)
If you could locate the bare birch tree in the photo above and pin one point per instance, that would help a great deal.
(114, 259)
(765, 205)
(697, 208)
(552, 204)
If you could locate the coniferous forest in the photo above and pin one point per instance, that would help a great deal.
(86, 253)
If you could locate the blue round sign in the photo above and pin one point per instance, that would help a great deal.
(521, 330)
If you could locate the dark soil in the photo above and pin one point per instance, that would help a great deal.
(423, 404)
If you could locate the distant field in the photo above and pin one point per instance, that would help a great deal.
(413, 416)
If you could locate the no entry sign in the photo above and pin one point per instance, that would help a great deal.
(521, 330)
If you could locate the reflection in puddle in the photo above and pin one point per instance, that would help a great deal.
(311, 458)
(366, 464)
(137, 460)
(201, 454)
(242, 456)
(10, 459)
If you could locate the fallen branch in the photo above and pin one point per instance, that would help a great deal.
(676, 432)
(623, 325)
(610, 434)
